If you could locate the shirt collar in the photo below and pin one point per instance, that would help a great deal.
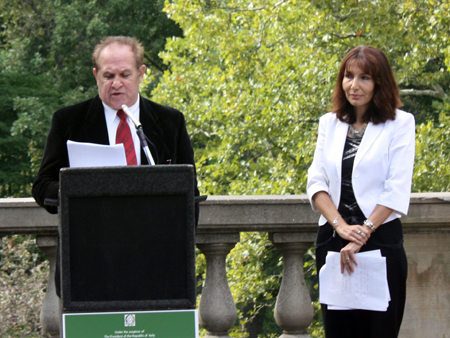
(111, 114)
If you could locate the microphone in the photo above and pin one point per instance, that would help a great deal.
(127, 111)
(140, 134)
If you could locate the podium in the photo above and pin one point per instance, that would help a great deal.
(127, 240)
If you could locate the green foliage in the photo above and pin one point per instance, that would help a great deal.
(238, 78)
(432, 171)
(23, 276)
(58, 37)
(16, 148)
(254, 272)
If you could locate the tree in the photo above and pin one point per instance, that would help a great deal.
(15, 148)
(432, 171)
(46, 64)
(253, 79)
(58, 37)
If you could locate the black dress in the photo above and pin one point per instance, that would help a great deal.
(388, 238)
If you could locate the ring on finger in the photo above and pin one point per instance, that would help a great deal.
(360, 233)
(347, 259)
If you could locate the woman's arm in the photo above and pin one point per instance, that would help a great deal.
(397, 185)
(357, 234)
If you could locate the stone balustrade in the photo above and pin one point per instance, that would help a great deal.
(292, 227)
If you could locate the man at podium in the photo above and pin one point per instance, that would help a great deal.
(118, 70)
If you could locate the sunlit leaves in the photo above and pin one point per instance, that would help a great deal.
(253, 79)
(239, 76)
(432, 171)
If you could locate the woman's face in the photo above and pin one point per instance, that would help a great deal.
(358, 87)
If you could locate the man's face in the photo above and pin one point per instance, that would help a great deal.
(117, 77)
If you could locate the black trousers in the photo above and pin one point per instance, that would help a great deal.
(363, 323)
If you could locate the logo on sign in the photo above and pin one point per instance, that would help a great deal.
(130, 320)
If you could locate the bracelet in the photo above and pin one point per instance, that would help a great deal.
(370, 225)
(335, 222)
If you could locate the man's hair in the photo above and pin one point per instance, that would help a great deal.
(386, 96)
(134, 43)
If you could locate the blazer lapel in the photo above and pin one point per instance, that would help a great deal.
(95, 130)
(152, 130)
(370, 135)
(338, 145)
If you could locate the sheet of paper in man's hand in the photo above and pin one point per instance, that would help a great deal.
(83, 154)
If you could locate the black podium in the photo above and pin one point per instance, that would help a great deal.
(127, 238)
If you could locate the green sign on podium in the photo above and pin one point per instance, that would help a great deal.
(142, 324)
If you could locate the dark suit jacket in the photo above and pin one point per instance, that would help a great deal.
(85, 122)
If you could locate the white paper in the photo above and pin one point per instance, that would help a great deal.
(366, 288)
(95, 155)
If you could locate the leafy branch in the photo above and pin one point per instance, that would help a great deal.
(437, 92)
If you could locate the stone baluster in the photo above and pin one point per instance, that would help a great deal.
(293, 309)
(50, 313)
(217, 311)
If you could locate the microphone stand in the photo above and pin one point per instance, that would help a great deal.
(140, 134)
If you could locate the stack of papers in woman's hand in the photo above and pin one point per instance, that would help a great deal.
(365, 289)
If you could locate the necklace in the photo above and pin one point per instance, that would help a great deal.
(355, 133)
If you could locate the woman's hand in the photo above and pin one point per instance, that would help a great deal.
(357, 234)
(348, 257)
(353, 233)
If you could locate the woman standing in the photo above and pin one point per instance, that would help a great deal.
(360, 182)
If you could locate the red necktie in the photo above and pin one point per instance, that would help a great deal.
(124, 136)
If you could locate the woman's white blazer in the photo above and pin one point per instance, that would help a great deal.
(383, 167)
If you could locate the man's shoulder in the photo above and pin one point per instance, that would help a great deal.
(80, 107)
(161, 111)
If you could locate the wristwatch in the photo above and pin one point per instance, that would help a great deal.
(369, 224)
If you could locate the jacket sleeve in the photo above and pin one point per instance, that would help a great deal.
(55, 157)
(185, 155)
(397, 186)
(318, 179)
(185, 152)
